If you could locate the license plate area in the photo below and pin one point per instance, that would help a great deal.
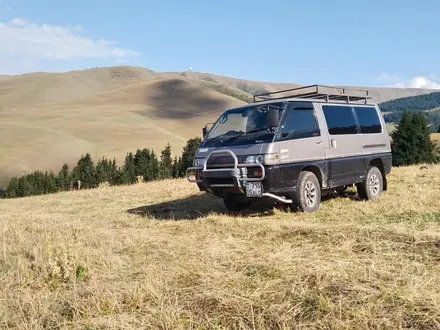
(254, 189)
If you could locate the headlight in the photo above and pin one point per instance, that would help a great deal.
(255, 159)
(197, 162)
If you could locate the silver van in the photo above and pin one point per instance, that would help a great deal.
(295, 148)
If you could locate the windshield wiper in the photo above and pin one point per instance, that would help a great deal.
(257, 130)
(236, 133)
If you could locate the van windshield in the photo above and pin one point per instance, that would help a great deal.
(246, 121)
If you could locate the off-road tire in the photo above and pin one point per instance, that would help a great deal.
(372, 187)
(235, 203)
(307, 197)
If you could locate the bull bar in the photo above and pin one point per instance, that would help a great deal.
(235, 172)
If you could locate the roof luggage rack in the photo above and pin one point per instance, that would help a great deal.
(327, 93)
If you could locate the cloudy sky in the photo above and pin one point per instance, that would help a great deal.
(374, 43)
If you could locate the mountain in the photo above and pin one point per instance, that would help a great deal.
(47, 119)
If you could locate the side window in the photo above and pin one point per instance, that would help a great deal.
(368, 119)
(340, 119)
(299, 123)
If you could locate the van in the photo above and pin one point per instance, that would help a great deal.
(293, 147)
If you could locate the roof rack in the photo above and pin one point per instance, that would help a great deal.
(327, 93)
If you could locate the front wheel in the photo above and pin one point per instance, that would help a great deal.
(307, 196)
(236, 203)
(372, 186)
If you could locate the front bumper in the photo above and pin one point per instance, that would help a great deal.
(234, 178)
(225, 177)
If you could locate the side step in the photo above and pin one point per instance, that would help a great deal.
(278, 198)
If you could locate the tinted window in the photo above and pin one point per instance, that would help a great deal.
(368, 119)
(300, 121)
(340, 119)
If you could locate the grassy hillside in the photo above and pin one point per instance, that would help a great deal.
(47, 119)
(147, 114)
(428, 103)
(112, 258)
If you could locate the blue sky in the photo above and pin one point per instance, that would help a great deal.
(364, 43)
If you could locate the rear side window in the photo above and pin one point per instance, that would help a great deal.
(368, 118)
(340, 119)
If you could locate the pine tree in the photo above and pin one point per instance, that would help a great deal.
(176, 167)
(188, 154)
(153, 168)
(85, 172)
(12, 189)
(141, 161)
(24, 188)
(63, 180)
(129, 170)
(166, 163)
(115, 174)
(51, 185)
(104, 171)
(412, 141)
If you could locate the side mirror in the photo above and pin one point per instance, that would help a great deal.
(204, 131)
(272, 117)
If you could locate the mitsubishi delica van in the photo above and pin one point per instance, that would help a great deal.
(295, 148)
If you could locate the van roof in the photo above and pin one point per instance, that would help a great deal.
(314, 93)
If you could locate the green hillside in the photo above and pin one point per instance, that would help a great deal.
(418, 102)
(429, 104)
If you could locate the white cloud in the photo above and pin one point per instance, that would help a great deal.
(33, 41)
(415, 82)
(18, 22)
(422, 82)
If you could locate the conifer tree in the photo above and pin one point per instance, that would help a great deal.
(166, 163)
(12, 189)
(115, 173)
(142, 160)
(188, 154)
(412, 141)
(176, 167)
(85, 172)
(63, 180)
(129, 171)
(152, 167)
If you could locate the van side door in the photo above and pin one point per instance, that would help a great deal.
(373, 134)
(344, 153)
(299, 140)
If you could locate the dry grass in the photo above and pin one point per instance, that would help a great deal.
(435, 137)
(112, 258)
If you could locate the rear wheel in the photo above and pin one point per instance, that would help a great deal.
(372, 186)
(236, 203)
(307, 196)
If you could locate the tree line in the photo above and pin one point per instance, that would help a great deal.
(433, 117)
(417, 102)
(411, 144)
(87, 174)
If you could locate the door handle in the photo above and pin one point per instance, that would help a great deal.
(333, 143)
(318, 142)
